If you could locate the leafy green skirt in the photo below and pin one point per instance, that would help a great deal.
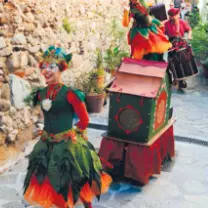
(64, 173)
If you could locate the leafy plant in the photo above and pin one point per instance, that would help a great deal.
(194, 17)
(67, 26)
(92, 85)
(87, 83)
(199, 42)
(99, 69)
(31, 99)
(113, 57)
(117, 32)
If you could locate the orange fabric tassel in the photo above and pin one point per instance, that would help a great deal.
(126, 18)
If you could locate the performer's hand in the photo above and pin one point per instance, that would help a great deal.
(149, 19)
(189, 37)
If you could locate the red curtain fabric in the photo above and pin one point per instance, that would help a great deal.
(141, 162)
(110, 150)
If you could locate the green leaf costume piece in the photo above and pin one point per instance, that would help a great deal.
(65, 163)
(32, 98)
(142, 25)
(79, 94)
(153, 28)
(156, 22)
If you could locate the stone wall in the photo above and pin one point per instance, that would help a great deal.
(27, 28)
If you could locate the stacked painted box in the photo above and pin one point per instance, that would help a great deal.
(139, 100)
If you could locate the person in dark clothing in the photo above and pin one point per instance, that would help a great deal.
(176, 28)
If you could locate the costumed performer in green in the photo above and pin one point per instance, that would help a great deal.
(146, 35)
(64, 168)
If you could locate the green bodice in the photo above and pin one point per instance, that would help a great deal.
(59, 118)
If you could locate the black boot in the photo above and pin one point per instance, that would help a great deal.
(182, 84)
(88, 205)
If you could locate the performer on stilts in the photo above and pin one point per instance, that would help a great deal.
(140, 129)
(146, 37)
(64, 168)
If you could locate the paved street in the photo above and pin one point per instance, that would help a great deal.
(183, 185)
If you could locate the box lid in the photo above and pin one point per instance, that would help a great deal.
(141, 78)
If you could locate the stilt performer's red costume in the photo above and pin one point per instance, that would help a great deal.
(140, 131)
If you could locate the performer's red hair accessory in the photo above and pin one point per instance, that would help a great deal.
(173, 11)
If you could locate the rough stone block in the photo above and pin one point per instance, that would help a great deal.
(2, 43)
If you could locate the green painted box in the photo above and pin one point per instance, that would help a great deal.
(139, 100)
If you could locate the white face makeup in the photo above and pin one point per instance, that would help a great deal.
(50, 67)
(51, 72)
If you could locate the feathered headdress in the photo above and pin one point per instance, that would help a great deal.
(58, 56)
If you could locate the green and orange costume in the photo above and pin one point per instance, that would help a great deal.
(64, 168)
(147, 34)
